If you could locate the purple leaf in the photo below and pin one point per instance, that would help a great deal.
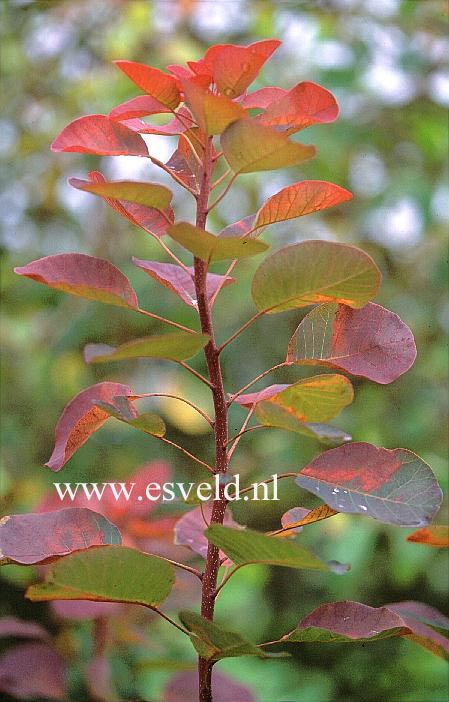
(183, 687)
(12, 626)
(33, 671)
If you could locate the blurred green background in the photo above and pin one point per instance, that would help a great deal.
(386, 61)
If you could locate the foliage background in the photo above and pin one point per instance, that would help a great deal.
(385, 61)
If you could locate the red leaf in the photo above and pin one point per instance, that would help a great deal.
(394, 486)
(371, 342)
(433, 535)
(147, 218)
(189, 530)
(40, 537)
(260, 99)
(354, 620)
(179, 71)
(81, 418)
(83, 276)
(240, 228)
(183, 687)
(19, 628)
(181, 123)
(159, 85)
(301, 199)
(252, 398)
(33, 671)
(305, 104)
(235, 67)
(179, 281)
(185, 165)
(140, 106)
(430, 628)
(98, 134)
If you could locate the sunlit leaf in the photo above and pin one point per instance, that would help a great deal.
(213, 113)
(148, 218)
(371, 342)
(244, 546)
(260, 99)
(179, 281)
(315, 399)
(249, 146)
(300, 199)
(433, 535)
(393, 486)
(181, 122)
(315, 271)
(107, 574)
(305, 104)
(240, 228)
(84, 276)
(176, 346)
(99, 134)
(39, 537)
(146, 194)
(209, 247)
(32, 671)
(152, 81)
(213, 642)
(147, 422)
(293, 520)
(140, 106)
(345, 622)
(233, 67)
(81, 418)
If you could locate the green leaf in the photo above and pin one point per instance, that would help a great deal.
(213, 642)
(107, 574)
(312, 272)
(148, 422)
(249, 146)
(177, 346)
(244, 546)
(315, 399)
(147, 194)
(208, 247)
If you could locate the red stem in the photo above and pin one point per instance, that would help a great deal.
(211, 353)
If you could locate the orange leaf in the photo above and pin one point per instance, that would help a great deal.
(434, 535)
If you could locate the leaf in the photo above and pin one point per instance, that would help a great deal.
(148, 422)
(433, 535)
(183, 687)
(83, 276)
(325, 434)
(107, 574)
(147, 194)
(38, 538)
(33, 671)
(244, 546)
(179, 281)
(294, 520)
(148, 218)
(209, 247)
(189, 529)
(393, 486)
(233, 67)
(140, 106)
(346, 622)
(371, 342)
(315, 399)
(181, 122)
(11, 626)
(315, 271)
(159, 85)
(176, 346)
(98, 134)
(305, 104)
(240, 228)
(300, 199)
(249, 147)
(213, 642)
(80, 419)
(213, 113)
(260, 99)
(430, 628)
